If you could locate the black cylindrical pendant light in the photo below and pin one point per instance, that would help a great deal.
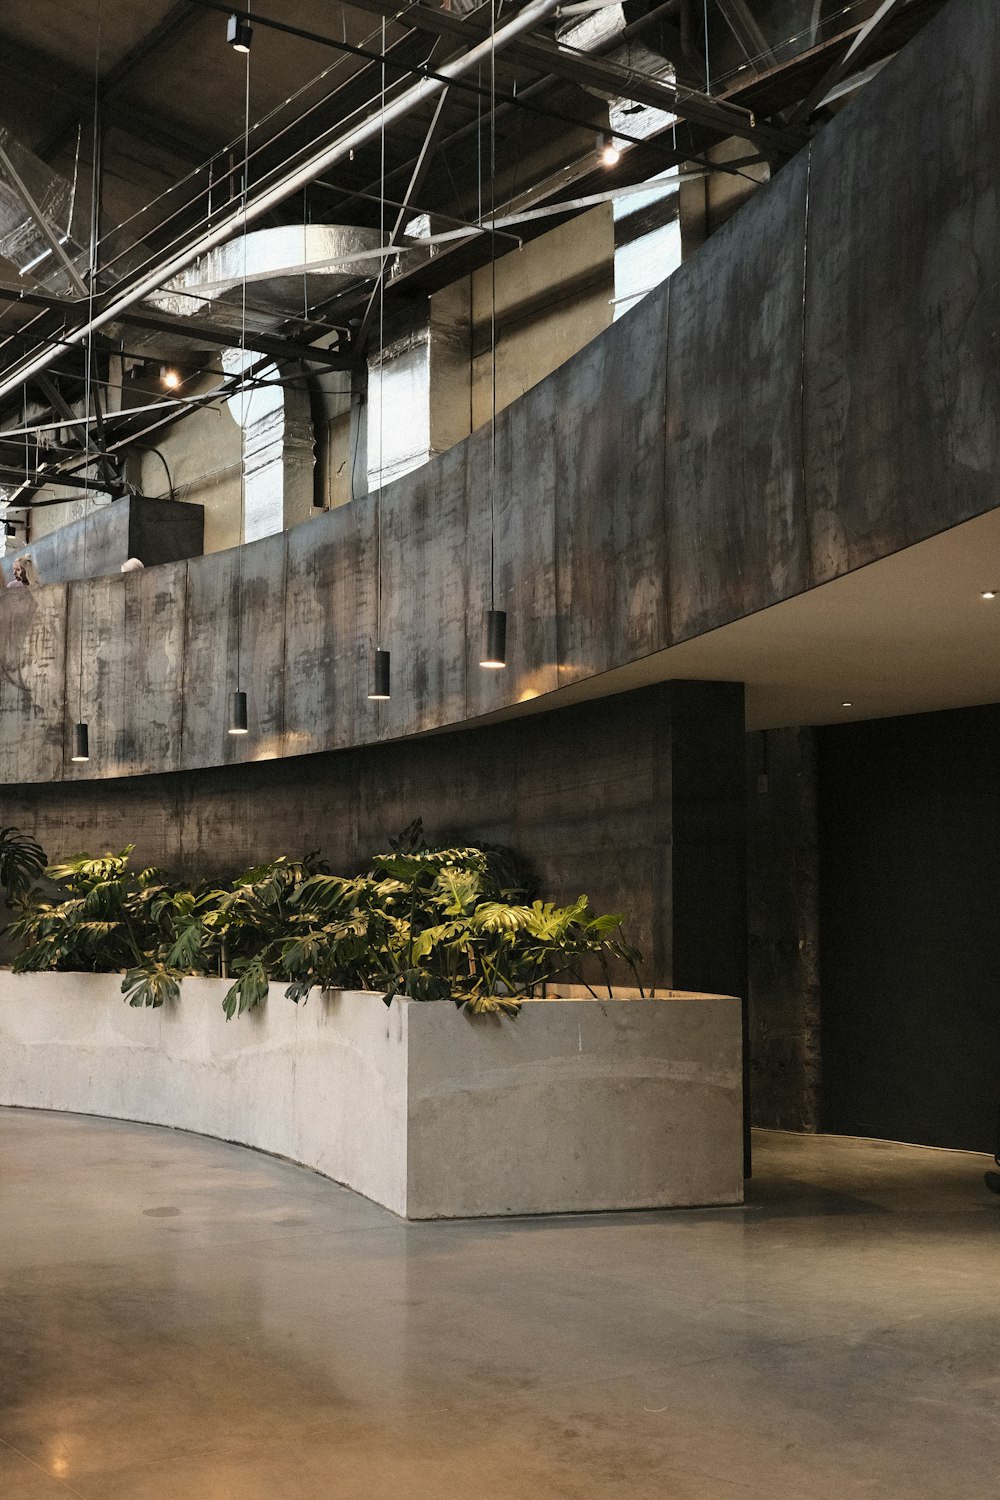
(238, 717)
(81, 742)
(379, 690)
(494, 638)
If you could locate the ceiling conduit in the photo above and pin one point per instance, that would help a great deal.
(285, 187)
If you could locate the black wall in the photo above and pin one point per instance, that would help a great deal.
(909, 814)
(636, 800)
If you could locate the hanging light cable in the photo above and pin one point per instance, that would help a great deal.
(238, 715)
(494, 652)
(379, 686)
(81, 729)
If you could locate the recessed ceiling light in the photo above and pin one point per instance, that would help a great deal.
(988, 594)
(847, 705)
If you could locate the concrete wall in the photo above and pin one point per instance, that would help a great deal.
(637, 800)
(575, 1106)
(783, 930)
(553, 296)
(910, 860)
(154, 531)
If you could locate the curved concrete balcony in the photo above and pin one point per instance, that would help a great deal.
(815, 390)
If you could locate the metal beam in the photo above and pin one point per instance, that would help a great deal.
(285, 186)
(44, 477)
(743, 24)
(273, 345)
(276, 346)
(849, 61)
(542, 55)
(417, 176)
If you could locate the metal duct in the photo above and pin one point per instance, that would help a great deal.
(289, 269)
(36, 207)
(278, 450)
(286, 186)
(41, 231)
(419, 388)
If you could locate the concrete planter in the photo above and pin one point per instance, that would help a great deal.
(576, 1105)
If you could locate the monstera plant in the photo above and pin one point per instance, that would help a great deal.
(458, 923)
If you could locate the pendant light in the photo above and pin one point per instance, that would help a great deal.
(379, 683)
(238, 714)
(378, 690)
(81, 729)
(239, 709)
(494, 649)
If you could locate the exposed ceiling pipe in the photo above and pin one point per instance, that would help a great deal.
(285, 187)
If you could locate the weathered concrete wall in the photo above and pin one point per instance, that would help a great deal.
(783, 929)
(202, 454)
(816, 389)
(637, 800)
(154, 531)
(553, 296)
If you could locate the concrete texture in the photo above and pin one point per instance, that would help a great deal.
(638, 800)
(813, 391)
(426, 1110)
(185, 1320)
(153, 530)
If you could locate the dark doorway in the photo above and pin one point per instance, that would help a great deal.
(909, 813)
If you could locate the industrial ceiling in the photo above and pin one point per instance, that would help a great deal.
(134, 141)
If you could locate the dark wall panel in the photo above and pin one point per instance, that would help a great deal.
(903, 300)
(610, 544)
(909, 937)
(587, 794)
(736, 520)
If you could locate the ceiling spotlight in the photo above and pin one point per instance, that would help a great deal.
(239, 33)
(847, 705)
(607, 150)
(988, 594)
(170, 378)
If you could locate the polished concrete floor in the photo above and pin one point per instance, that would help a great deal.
(186, 1320)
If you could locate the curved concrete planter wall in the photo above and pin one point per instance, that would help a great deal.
(574, 1106)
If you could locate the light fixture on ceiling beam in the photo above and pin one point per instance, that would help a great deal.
(239, 33)
(607, 150)
(170, 379)
(988, 594)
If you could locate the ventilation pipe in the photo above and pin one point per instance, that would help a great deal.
(291, 182)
